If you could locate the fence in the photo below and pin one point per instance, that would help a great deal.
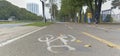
(110, 16)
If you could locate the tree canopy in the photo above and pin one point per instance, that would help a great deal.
(70, 8)
(115, 3)
(7, 10)
(54, 11)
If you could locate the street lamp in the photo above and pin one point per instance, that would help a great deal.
(43, 8)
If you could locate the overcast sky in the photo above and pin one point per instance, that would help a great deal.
(22, 4)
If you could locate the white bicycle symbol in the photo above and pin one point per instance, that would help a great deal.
(50, 38)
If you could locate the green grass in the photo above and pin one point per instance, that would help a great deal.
(8, 22)
(40, 24)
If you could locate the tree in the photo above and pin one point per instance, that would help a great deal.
(71, 7)
(7, 10)
(98, 4)
(115, 3)
(68, 11)
(54, 11)
(95, 7)
(78, 4)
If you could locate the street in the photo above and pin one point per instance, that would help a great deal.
(12, 25)
(72, 39)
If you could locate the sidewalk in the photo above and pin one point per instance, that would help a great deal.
(9, 33)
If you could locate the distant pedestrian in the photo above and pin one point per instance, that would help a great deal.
(89, 16)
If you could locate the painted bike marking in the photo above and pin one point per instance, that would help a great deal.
(50, 38)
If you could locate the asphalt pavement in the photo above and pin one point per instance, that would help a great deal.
(66, 39)
(12, 25)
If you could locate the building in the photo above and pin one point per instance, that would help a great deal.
(117, 16)
(33, 7)
(108, 9)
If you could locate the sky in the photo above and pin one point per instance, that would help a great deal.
(108, 5)
(22, 4)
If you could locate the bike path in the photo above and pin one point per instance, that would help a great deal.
(31, 46)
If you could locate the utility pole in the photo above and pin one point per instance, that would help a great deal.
(43, 8)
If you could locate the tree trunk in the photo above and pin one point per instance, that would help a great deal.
(80, 20)
(98, 4)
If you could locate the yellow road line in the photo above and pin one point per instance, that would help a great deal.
(118, 28)
(110, 44)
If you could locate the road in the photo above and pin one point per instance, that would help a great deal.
(89, 40)
(12, 25)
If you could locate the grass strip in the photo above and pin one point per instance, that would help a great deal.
(39, 24)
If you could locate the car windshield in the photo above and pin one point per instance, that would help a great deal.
(59, 27)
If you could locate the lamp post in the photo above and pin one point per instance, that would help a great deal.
(43, 8)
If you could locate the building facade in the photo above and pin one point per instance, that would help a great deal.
(33, 7)
(108, 9)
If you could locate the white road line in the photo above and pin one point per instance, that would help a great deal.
(12, 40)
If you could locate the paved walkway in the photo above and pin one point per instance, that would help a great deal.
(32, 45)
(12, 32)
